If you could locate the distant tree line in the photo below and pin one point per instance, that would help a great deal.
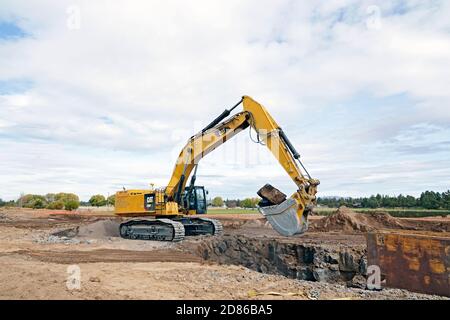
(231, 203)
(70, 201)
(7, 203)
(99, 200)
(53, 201)
(427, 200)
(57, 201)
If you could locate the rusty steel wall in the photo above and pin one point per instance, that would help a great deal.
(414, 261)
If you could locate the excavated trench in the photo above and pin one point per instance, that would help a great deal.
(334, 250)
(323, 257)
(303, 261)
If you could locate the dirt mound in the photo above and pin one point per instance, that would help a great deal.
(96, 230)
(346, 220)
(100, 229)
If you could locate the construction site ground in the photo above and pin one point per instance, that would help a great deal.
(39, 247)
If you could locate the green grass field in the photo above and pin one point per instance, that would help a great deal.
(230, 211)
(397, 212)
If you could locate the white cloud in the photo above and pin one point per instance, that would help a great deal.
(138, 76)
(15, 100)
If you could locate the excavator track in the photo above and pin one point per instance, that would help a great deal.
(201, 226)
(218, 228)
(152, 229)
(169, 230)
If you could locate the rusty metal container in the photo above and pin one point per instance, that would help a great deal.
(416, 261)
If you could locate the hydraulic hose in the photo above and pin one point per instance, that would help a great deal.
(224, 114)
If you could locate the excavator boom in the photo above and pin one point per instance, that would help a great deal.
(288, 217)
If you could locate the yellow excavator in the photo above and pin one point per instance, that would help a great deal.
(167, 214)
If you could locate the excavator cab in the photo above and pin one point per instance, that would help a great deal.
(194, 199)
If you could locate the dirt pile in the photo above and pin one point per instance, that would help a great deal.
(100, 229)
(96, 230)
(346, 220)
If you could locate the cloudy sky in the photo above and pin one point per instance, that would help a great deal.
(96, 95)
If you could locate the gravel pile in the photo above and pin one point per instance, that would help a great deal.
(102, 229)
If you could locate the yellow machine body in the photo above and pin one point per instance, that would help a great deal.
(144, 203)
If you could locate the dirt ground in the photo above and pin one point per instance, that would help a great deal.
(36, 264)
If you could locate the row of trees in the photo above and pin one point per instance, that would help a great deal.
(99, 200)
(54, 201)
(427, 200)
(57, 201)
(70, 201)
(7, 203)
(244, 203)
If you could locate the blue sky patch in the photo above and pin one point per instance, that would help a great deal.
(10, 30)
(400, 8)
(15, 86)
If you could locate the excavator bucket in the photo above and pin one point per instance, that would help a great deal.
(284, 219)
(281, 212)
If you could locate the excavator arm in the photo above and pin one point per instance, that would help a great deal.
(288, 217)
(198, 147)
